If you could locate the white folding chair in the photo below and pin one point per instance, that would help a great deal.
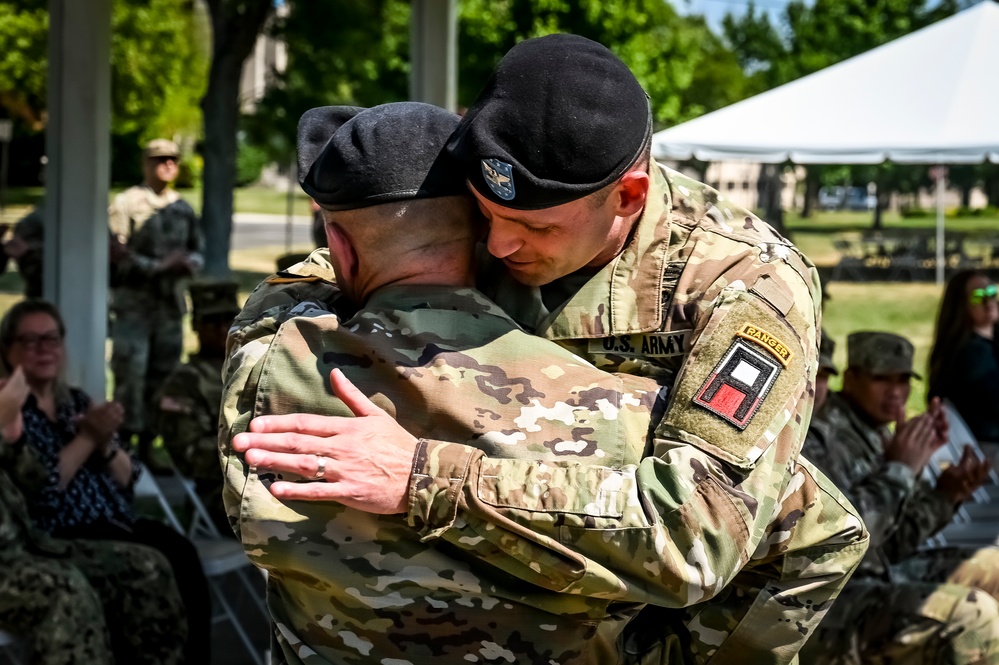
(219, 555)
(976, 523)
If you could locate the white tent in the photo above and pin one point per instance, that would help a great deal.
(931, 97)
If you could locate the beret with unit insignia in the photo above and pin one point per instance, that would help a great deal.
(560, 118)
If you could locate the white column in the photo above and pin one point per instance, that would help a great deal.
(433, 53)
(939, 173)
(77, 180)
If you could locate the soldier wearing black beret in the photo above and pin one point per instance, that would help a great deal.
(643, 270)
(737, 545)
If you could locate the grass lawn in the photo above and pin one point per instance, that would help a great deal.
(906, 309)
(246, 199)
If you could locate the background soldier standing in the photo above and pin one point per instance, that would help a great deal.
(156, 244)
(190, 398)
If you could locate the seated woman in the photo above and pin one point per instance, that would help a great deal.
(87, 601)
(87, 493)
(963, 365)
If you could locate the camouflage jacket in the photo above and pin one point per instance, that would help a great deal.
(18, 533)
(703, 291)
(900, 510)
(347, 586)
(152, 226)
(189, 403)
(743, 500)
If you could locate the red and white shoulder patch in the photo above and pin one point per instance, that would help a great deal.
(740, 382)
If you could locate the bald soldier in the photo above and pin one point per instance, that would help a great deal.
(644, 271)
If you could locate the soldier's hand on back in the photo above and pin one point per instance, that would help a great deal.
(914, 441)
(959, 482)
(363, 462)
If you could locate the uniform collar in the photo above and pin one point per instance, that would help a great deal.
(428, 296)
(625, 297)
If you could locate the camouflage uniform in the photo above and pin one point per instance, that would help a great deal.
(148, 306)
(189, 404)
(31, 229)
(63, 597)
(190, 400)
(688, 286)
(701, 282)
(896, 611)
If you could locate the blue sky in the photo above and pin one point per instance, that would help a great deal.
(715, 10)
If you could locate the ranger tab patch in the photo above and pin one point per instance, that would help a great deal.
(767, 341)
(739, 384)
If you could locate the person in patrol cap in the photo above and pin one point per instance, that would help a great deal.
(937, 610)
(640, 269)
(156, 245)
(190, 398)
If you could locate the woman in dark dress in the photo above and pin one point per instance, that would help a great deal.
(963, 364)
(88, 493)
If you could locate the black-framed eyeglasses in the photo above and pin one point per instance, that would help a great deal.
(47, 341)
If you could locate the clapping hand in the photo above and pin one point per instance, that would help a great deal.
(101, 422)
(915, 440)
(13, 391)
(959, 481)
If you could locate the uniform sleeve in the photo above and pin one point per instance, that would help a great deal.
(196, 241)
(188, 428)
(925, 513)
(118, 217)
(716, 494)
(880, 497)
(270, 304)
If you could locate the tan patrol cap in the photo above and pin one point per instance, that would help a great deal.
(827, 348)
(880, 353)
(162, 148)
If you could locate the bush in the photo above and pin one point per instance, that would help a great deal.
(250, 163)
(911, 212)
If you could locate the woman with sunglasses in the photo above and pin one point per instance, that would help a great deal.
(963, 364)
(88, 490)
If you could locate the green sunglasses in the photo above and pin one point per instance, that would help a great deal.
(978, 296)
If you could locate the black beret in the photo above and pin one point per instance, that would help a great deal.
(349, 157)
(560, 117)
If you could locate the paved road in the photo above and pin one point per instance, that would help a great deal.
(260, 230)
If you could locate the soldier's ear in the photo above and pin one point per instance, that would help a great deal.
(342, 252)
(630, 193)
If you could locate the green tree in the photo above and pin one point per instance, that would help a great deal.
(662, 48)
(157, 69)
(360, 59)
